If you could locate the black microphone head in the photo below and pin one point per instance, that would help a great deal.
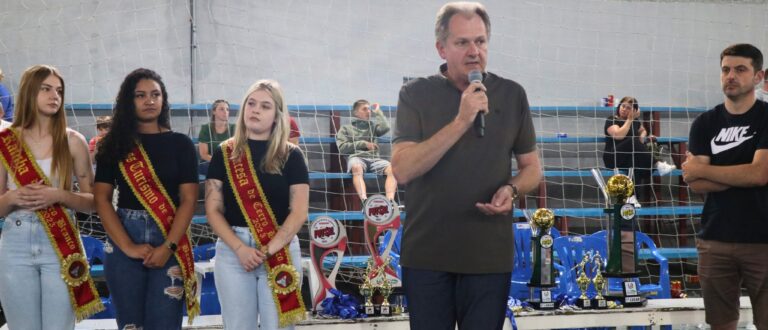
(475, 75)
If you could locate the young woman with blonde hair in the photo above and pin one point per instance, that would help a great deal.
(257, 196)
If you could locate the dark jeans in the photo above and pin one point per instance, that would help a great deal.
(440, 300)
(152, 298)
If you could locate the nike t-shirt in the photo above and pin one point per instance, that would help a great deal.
(738, 215)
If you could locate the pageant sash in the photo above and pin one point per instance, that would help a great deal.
(59, 227)
(283, 277)
(146, 186)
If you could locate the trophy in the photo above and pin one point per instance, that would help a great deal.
(543, 275)
(622, 250)
(386, 290)
(582, 281)
(599, 281)
(381, 215)
(327, 236)
(366, 290)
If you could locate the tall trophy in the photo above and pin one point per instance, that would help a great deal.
(599, 282)
(327, 236)
(543, 275)
(381, 215)
(582, 282)
(622, 250)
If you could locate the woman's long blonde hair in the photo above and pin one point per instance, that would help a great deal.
(26, 116)
(278, 147)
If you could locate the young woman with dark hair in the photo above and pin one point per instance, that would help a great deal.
(149, 267)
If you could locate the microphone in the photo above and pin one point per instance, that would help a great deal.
(474, 76)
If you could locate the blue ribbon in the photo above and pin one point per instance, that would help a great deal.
(340, 305)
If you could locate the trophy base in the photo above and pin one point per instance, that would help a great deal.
(599, 303)
(584, 303)
(378, 310)
(368, 310)
(630, 301)
(386, 310)
(539, 305)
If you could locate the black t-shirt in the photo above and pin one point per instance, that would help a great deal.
(612, 145)
(276, 186)
(737, 214)
(174, 158)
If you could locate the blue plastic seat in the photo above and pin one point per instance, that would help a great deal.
(204, 252)
(394, 253)
(209, 299)
(94, 249)
(652, 290)
(570, 251)
(523, 268)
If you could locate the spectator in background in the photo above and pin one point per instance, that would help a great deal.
(762, 93)
(103, 123)
(3, 123)
(358, 140)
(213, 133)
(6, 100)
(627, 144)
(295, 134)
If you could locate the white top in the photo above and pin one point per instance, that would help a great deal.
(4, 124)
(45, 165)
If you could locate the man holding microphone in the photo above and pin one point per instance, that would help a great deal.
(457, 250)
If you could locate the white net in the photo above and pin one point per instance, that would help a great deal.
(567, 54)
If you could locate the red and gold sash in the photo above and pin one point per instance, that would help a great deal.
(283, 277)
(146, 186)
(62, 233)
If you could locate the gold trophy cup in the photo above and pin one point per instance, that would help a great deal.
(582, 281)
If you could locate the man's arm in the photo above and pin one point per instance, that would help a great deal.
(526, 180)
(411, 160)
(754, 174)
(700, 185)
(345, 142)
(381, 123)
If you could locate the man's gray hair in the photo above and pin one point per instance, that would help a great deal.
(465, 8)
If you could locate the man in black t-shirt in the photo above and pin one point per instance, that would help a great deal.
(728, 161)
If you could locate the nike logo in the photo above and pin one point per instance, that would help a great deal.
(733, 136)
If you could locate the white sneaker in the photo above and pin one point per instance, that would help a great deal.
(633, 200)
(664, 168)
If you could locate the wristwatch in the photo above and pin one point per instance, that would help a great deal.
(172, 246)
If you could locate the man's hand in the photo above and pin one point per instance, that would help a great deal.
(501, 203)
(473, 100)
(691, 167)
(371, 146)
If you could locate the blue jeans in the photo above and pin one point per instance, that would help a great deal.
(440, 300)
(33, 294)
(152, 298)
(245, 297)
